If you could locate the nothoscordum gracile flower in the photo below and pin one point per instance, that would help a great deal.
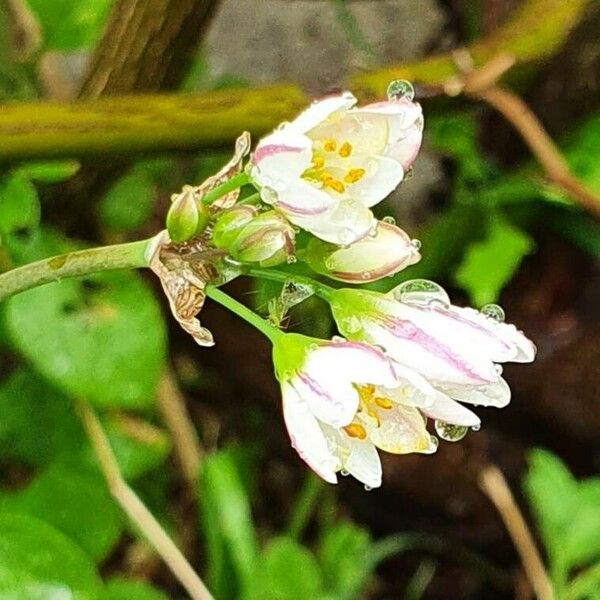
(342, 400)
(325, 169)
(456, 349)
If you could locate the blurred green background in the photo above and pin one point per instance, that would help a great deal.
(252, 519)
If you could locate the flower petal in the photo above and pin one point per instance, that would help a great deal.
(493, 394)
(399, 430)
(347, 222)
(363, 463)
(447, 410)
(302, 202)
(382, 177)
(320, 111)
(280, 157)
(306, 436)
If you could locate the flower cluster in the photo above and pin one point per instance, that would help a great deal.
(407, 357)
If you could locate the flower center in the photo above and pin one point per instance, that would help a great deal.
(330, 169)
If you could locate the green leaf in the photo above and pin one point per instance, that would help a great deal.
(76, 502)
(342, 555)
(70, 25)
(567, 513)
(227, 522)
(101, 337)
(19, 207)
(119, 588)
(52, 171)
(128, 203)
(37, 562)
(288, 571)
(490, 264)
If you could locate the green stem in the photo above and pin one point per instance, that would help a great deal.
(253, 199)
(73, 264)
(305, 505)
(244, 312)
(322, 290)
(235, 182)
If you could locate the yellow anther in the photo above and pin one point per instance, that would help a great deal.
(355, 430)
(354, 175)
(329, 145)
(366, 391)
(385, 403)
(345, 150)
(318, 162)
(336, 185)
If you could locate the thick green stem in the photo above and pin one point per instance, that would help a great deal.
(73, 264)
(244, 312)
(227, 186)
(320, 289)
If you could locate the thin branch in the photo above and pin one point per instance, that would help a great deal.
(171, 404)
(136, 510)
(518, 114)
(494, 485)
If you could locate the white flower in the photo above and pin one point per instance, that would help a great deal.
(455, 348)
(342, 400)
(331, 164)
(388, 251)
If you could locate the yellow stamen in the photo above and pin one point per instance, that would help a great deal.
(329, 145)
(385, 403)
(330, 182)
(318, 162)
(354, 175)
(355, 430)
(345, 150)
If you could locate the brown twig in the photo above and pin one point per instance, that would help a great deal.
(494, 485)
(136, 510)
(481, 84)
(171, 404)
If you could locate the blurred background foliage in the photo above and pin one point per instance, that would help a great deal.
(254, 521)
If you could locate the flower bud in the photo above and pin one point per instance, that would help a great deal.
(390, 250)
(183, 219)
(268, 239)
(230, 222)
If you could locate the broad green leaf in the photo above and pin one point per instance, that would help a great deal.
(128, 203)
(70, 25)
(488, 265)
(567, 513)
(74, 501)
(52, 171)
(227, 522)
(37, 562)
(342, 555)
(119, 588)
(288, 571)
(100, 337)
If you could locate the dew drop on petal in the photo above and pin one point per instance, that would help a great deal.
(291, 259)
(389, 219)
(493, 311)
(498, 369)
(344, 473)
(421, 292)
(449, 432)
(368, 488)
(312, 347)
(400, 89)
(365, 275)
(475, 427)
(337, 339)
(416, 244)
(352, 324)
(433, 445)
(268, 195)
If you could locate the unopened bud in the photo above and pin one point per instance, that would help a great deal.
(183, 218)
(390, 250)
(230, 222)
(268, 239)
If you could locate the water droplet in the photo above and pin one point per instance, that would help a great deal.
(498, 369)
(493, 311)
(389, 220)
(337, 339)
(287, 375)
(408, 174)
(368, 488)
(449, 432)
(476, 427)
(365, 275)
(282, 125)
(312, 347)
(421, 292)
(291, 259)
(344, 473)
(352, 324)
(433, 445)
(400, 89)
(416, 244)
(268, 195)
